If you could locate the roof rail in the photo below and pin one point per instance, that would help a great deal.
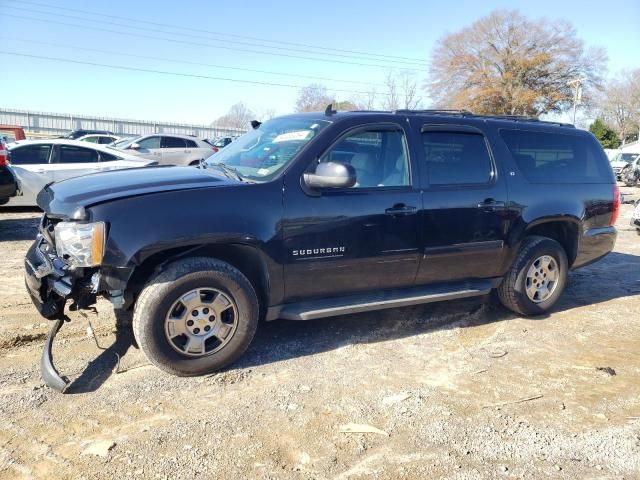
(467, 113)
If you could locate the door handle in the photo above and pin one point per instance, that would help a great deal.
(491, 204)
(401, 209)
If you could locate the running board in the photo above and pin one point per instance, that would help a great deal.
(330, 307)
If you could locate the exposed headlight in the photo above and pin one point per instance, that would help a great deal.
(81, 244)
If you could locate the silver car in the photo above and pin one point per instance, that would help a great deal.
(168, 149)
(37, 163)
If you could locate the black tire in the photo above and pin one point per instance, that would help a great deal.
(162, 291)
(512, 291)
(195, 163)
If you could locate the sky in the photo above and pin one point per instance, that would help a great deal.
(205, 48)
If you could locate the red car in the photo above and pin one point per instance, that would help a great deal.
(12, 133)
(8, 183)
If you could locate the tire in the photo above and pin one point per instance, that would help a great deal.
(195, 163)
(163, 299)
(512, 292)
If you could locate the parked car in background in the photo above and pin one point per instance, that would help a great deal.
(635, 217)
(11, 133)
(622, 160)
(8, 182)
(37, 163)
(100, 139)
(220, 142)
(169, 149)
(631, 173)
(75, 134)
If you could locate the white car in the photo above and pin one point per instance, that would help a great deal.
(37, 163)
(621, 161)
(169, 149)
(99, 138)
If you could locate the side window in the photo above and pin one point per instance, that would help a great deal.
(106, 140)
(172, 142)
(544, 157)
(107, 157)
(456, 158)
(30, 155)
(191, 144)
(149, 142)
(92, 139)
(73, 154)
(379, 157)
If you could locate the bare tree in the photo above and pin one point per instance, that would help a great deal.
(409, 87)
(313, 98)
(391, 97)
(620, 104)
(238, 116)
(506, 63)
(366, 101)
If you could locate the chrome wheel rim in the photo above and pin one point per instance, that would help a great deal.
(201, 322)
(542, 279)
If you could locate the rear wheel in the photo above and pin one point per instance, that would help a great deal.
(196, 317)
(536, 278)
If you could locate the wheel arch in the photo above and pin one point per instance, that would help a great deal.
(248, 259)
(565, 231)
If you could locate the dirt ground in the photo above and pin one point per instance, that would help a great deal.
(430, 379)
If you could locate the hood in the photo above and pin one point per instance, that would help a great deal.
(61, 199)
(619, 164)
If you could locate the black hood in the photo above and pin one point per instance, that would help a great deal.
(61, 199)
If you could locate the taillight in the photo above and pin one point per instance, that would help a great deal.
(616, 205)
(4, 158)
(215, 149)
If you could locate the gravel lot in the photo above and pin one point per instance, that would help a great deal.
(430, 379)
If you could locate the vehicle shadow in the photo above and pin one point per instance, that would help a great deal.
(103, 366)
(20, 225)
(282, 340)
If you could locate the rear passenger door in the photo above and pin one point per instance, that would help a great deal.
(174, 151)
(464, 223)
(71, 161)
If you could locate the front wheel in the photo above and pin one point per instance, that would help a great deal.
(536, 278)
(196, 317)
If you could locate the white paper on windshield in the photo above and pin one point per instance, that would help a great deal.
(289, 136)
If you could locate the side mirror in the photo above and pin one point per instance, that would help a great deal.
(134, 146)
(331, 175)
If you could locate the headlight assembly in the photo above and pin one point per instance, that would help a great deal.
(81, 244)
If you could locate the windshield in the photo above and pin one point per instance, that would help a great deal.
(261, 153)
(625, 157)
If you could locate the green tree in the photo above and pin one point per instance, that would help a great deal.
(605, 134)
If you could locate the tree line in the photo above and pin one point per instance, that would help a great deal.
(506, 64)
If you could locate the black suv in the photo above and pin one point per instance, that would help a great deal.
(314, 215)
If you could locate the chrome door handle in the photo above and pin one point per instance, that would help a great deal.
(491, 204)
(401, 209)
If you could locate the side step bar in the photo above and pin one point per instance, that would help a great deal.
(330, 307)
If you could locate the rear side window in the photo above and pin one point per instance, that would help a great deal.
(30, 155)
(73, 154)
(172, 142)
(558, 158)
(456, 158)
(107, 157)
(191, 144)
(106, 140)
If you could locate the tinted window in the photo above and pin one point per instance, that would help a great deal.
(73, 154)
(30, 154)
(106, 140)
(191, 144)
(107, 157)
(91, 139)
(456, 158)
(149, 142)
(558, 158)
(172, 142)
(378, 156)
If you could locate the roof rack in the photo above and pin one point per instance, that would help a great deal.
(467, 113)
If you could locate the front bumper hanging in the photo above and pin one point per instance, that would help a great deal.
(49, 373)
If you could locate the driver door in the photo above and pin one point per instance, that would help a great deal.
(346, 240)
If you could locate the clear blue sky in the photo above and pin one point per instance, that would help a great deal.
(408, 29)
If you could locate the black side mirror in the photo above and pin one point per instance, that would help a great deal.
(331, 175)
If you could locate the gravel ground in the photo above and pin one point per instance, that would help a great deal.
(461, 389)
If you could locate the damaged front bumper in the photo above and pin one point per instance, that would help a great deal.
(50, 283)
